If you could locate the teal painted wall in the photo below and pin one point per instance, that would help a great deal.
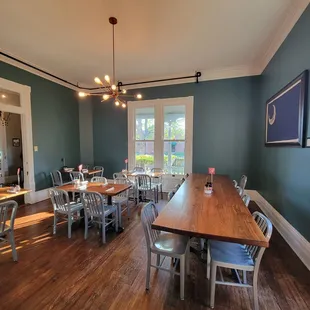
(282, 174)
(55, 121)
(222, 125)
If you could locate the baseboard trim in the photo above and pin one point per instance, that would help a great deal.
(39, 195)
(295, 239)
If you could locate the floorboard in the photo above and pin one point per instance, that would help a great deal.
(54, 272)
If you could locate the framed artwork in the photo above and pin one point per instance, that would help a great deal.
(286, 114)
(16, 142)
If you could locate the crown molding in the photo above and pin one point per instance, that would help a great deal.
(273, 44)
(33, 71)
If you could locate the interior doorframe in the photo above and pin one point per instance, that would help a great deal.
(24, 110)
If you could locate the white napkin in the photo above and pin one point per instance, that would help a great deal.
(110, 189)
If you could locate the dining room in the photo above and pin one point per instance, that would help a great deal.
(164, 155)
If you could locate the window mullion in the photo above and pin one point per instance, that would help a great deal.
(158, 145)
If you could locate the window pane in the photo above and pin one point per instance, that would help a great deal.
(145, 124)
(174, 122)
(9, 98)
(145, 155)
(174, 157)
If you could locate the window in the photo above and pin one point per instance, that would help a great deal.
(160, 134)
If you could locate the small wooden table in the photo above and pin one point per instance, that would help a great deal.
(98, 187)
(103, 189)
(151, 174)
(221, 215)
(4, 194)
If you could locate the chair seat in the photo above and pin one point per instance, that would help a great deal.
(147, 188)
(119, 199)
(233, 254)
(74, 206)
(170, 243)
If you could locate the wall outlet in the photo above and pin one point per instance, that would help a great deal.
(35, 148)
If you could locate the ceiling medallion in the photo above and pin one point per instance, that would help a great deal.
(109, 87)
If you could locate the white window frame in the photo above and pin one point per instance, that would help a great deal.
(158, 105)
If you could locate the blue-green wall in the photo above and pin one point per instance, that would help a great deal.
(282, 174)
(222, 125)
(55, 121)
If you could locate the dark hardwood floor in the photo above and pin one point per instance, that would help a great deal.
(55, 272)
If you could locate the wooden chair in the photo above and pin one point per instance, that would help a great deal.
(5, 209)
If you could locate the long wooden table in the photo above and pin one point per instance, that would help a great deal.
(4, 194)
(221, 215)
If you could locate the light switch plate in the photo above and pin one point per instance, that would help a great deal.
(35, 148)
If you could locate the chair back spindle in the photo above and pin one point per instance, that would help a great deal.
(148, 215)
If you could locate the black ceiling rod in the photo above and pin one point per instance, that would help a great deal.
(197, 76)
(119, 84)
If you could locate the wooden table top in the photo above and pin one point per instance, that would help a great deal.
(99, 188)
(151, 174)
(5, 195)
(89, 171)
(220, 216)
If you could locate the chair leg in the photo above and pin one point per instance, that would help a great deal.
(55, 223)
(118, 217)
(182, 276)
(255, 293)
(69, 225)
(128, 208)
(158, 260)
(103, 230)
(244, 277)
(86, 226)
(212, 284)
(208, 263)
(148, 270)
(188, 260)
(12, 241)
(161, 191)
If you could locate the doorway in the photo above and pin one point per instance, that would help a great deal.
(15, 106)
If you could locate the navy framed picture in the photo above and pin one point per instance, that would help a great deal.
(286, 114)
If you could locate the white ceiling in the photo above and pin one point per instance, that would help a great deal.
(154, 38)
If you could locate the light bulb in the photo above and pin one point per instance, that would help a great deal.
(82, 94)
(3, 96)
(113, 87)
(116, 102)
(139, 96)
(105, 97)
(123, 105)
(98, 81)
(124, 91)
(107, 78)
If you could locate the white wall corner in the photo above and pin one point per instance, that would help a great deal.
(295, 239)
(38, 196)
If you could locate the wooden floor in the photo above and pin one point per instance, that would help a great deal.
(55, 272)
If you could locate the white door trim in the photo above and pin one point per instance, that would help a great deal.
(26, 124)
